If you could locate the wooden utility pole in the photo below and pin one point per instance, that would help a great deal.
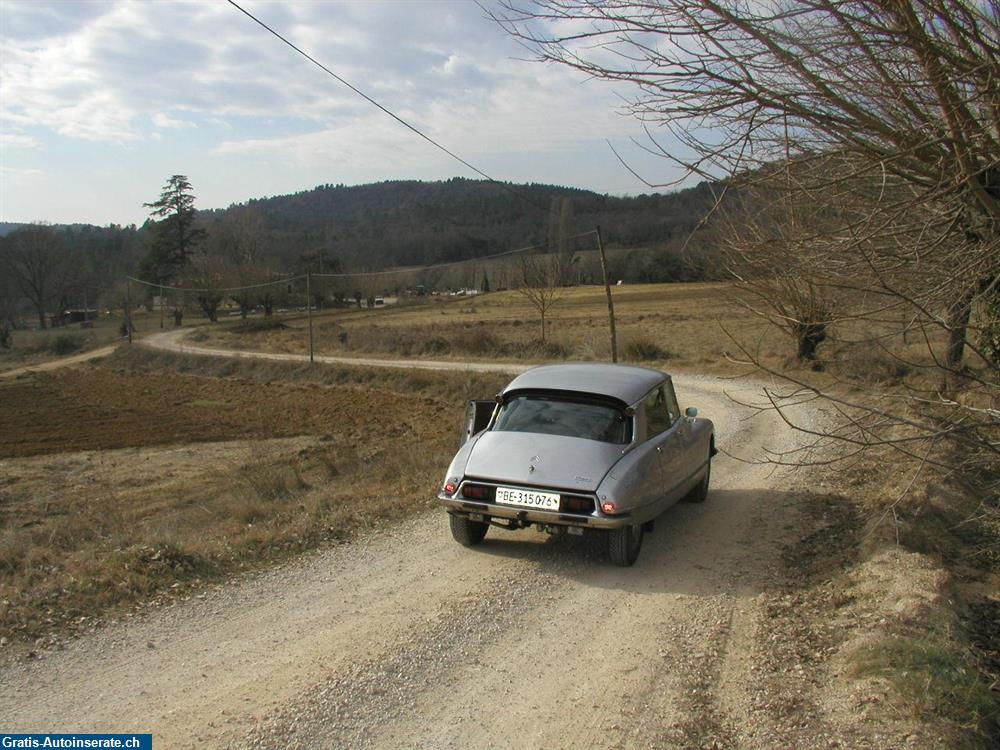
(607, 291)
(128, 308)
(309, 312)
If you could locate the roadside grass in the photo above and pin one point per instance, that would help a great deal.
(932, 674)
(71, 562)
(925, 566)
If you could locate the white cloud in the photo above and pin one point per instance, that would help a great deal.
(164, 121)
(17, 172)
(19, 140)
(171, 85)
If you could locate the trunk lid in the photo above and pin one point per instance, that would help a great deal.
(527, 458)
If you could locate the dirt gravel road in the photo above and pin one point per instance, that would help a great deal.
(174, 341)
(55, 364)
(404, 639)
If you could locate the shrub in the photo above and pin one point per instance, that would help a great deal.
(436, 345)
(544, 350)
(643, 349)
(479, 342)
(871, 366)
(65, 343)
(258, 326)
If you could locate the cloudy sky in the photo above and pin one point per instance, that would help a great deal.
(101, 101)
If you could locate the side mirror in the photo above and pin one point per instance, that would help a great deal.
(690, 412)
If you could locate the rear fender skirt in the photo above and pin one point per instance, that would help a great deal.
(649, 511)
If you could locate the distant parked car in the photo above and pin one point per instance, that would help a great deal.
(379, 301)
(573, 447)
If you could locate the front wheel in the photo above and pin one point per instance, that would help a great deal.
(467, 532)
(624, 545)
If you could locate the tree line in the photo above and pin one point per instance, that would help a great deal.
(330, 229)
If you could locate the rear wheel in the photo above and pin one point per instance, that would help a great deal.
(699, 492)
(624, 545)
(467, 532)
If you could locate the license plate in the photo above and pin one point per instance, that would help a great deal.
(527, 498)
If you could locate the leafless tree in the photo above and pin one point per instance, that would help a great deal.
(208, 276)
(9, 298)
(249, 284)
(876, 124)
(539, 283)
(560, 229)
(38, 262)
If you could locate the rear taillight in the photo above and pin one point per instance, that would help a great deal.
(579, 504)
(609, 507)
(450, 486)
(475, 491)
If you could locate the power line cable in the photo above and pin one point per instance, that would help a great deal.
(360, 274)
(165, 287)
(387, 111)
(418, 269)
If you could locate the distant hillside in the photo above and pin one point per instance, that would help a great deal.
(6, 227)
(412, 223)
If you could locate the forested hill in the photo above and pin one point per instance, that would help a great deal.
(411, 223)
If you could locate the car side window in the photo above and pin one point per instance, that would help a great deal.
(675, 409)
(658, 416)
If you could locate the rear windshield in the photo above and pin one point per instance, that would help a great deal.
(556, 415)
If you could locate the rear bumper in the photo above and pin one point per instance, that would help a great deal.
(548, 517)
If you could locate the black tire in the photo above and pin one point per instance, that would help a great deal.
(624, 545)
(699, 492)
(467, 532)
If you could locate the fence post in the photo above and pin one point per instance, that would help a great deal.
(309, 313)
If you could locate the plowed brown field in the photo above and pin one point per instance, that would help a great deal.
(96, 408)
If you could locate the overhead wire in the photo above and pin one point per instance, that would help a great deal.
(167, 287)
(432, 266)
(384, 109)
(361, 274)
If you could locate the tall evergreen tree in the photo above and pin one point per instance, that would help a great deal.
(174, 234)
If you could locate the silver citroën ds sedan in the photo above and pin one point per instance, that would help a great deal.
(578, 446)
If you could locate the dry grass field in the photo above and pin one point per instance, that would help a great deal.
(130, 479)
(701, 327)
(683, 324)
